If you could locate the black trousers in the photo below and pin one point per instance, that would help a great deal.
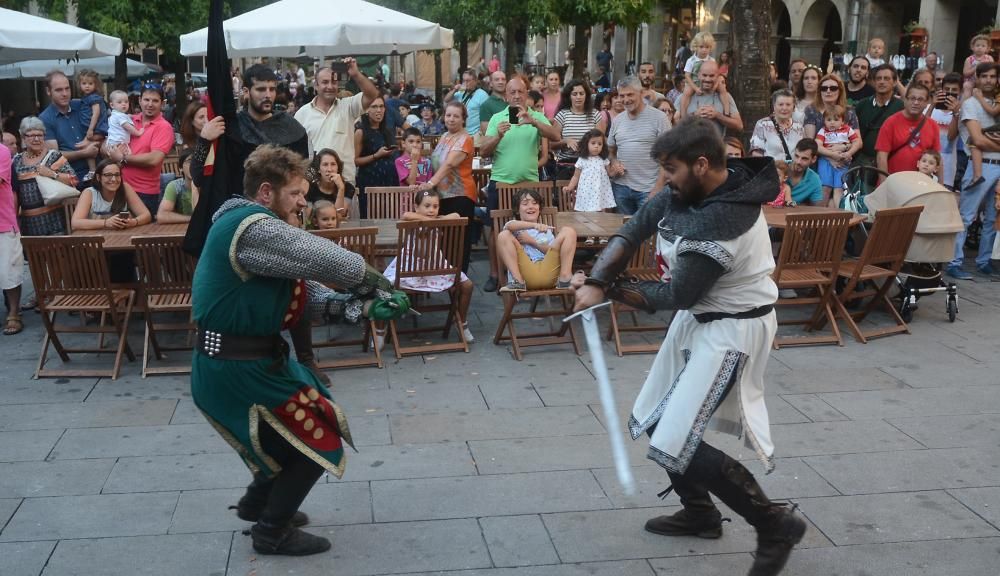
(282, 495)
(463, 206)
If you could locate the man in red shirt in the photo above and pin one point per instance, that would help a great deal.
(141, 164)
(906, 135)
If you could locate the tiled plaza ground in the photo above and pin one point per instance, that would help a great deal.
(477, 465)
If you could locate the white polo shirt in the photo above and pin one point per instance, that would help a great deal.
(333, 129)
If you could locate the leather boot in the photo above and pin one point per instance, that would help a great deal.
(778, 528)
(286, 540)
(699, 517)
(252, 503)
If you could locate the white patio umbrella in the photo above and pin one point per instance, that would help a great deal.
(36, 69)
(27, 37)
(322, 28)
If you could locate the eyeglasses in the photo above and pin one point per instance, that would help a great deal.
(829, 88)
(112, 175)
(33, 136)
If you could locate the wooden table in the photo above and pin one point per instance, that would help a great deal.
(777, 217)
(599, 224)
(121, 240)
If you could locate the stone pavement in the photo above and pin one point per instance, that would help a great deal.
(477, 465)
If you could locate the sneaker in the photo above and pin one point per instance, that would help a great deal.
(589, 241)
(603, 241)
(957, 273)
(787, 293)
(378, 339)
(514, 286)
(469, 338)
(988, 270)
(491, 284)
(562, 284)
(90, 176)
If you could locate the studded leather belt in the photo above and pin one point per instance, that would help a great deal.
(221, 346)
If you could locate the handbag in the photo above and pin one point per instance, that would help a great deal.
(53, 191)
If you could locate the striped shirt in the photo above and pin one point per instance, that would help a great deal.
(634, 138)
(574, 126)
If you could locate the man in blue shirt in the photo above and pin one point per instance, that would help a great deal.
(62, 124)
(805, 182)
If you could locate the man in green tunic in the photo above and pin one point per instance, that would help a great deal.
(257, 275)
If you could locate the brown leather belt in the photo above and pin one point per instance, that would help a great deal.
(707, 317)
(219, 346)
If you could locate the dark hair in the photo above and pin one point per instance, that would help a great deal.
(153, 89)
(800, 88)
(874, 71)
(187, 123)
(986, 67)
(119, 202)
(536, 96)
(583, 147)
(865, 58)
(566, 103)
(318, 159)
(411, 131)
(258, 73)
(952, 78)
(807, 144)
(419, 196)
(183, 157)
(531, 192)
(100, 170)
(915, 86)
(691, 139)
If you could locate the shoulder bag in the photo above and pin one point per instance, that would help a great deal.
(53, 191)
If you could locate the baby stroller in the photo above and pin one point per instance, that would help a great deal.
(933, 241)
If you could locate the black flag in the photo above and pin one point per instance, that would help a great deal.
(223, 170)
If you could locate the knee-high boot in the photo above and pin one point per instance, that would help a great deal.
(699, 517)
(252, 503)
(274, 532)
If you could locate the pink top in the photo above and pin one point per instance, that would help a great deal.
(159, 135)
(972, 60)
(424, 170)
(551, 104)
(8, 219)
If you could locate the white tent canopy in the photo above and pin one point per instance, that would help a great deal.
(35, 69)
(322, 28)
(27, 37)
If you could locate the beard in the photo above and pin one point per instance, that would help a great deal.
(262, 107)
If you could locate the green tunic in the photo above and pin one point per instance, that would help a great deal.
(236, 395)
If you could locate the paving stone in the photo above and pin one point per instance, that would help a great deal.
(982, 501)
(24, 390)
(780, 411)
(518, 541)
(910, 470)
(838, 438)
(140, 441)
(369, 430)
(485, 366)
(7, 508)
(165, 473)
(907, 516)
(619, 535)
(791, 478)
(187, 413)
(475, 496)
(918, 402)
(326, 505)
(812, 407)
(510, 394)
(494, 424)
(714, 565)
(409, 461)
(27, 445)
(85, 415)
(24, 558)
(540, 454)
(415, 398)
(952, 431)
(584, 390)
(925, 375)
(97, 516)
(805, 381)
(170, 555)
(629, 567)
(64, 478)
(369, 549)
(133, 386)
(966, 557)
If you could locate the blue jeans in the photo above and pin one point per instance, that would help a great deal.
(968, 204)
(628, 200)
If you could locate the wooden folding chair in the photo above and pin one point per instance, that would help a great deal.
(567, 200)
(388, 202)
(561, 332)
(810, 257)
(481, 176)
(642, 267)
(360, 241)
(171, 165)
(507, 192)
(166, 273)
(69, 206)
(431, 248)
(881, 259)
(70, 274)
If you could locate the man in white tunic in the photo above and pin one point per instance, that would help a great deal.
(714, 259)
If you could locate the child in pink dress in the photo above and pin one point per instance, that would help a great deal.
(980, 45)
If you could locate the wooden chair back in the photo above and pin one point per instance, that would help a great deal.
(358, 240)
(502, 217)
(164, 266)
(643, 261)
(813, 241)
(567, 200)
(890, 237)
(67, 266)
(482, 177)
(431, 142)
(430, 248)
(508, 192)
(389, 202)
(171, 165)
(69, 206)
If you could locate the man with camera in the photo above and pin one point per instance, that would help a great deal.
(946, 114)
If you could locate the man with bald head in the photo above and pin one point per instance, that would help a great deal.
(714, 103)
(496, 101)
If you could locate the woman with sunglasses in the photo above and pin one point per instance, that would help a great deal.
(831, 91)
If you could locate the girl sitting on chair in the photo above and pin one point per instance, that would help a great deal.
(536, 256)
(427, 203)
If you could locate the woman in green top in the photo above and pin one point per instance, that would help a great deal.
(180, 197)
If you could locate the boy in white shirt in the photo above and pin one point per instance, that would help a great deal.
(703, 44)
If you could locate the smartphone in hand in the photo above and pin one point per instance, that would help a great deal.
(512, 113)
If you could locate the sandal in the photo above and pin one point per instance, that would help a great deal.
(31, 304)
(14, 325)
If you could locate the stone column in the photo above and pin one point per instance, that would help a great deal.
(620, 49)
(880, 20)
(809, 49)
(775, 44)
(596, 45)
(941, 20)
(561, 46)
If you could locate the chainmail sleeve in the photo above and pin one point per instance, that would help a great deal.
(198, 158)
(266, 246)
(329, 305)
(614, 259)
(691, 278)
